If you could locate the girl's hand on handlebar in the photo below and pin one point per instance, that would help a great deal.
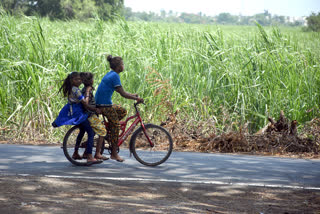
(140, 100)
(137, 98)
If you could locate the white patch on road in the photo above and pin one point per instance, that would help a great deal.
(186, 181)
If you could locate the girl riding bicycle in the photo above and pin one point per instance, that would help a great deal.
(73, 114)
(95, 122)
(114, 113)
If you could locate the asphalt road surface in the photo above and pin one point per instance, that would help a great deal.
(181, 167)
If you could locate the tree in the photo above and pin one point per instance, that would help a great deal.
(314, 22)
(190, 18)
(263, 18)
(15, 6)
(163, 14)
(80, 9)
(245, 20)
(127, 13)
(226, 18)
(68, 9)
(279, 20)
(143, 16)
(51, 8)
(108, 8)
(9, 5)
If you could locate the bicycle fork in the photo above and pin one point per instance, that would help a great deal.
(135, 133)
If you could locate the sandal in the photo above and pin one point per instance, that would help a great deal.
(89, 163)
(102, 158)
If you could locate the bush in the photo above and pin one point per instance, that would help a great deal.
(314, 22)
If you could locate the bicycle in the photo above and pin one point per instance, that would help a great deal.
(150, 144)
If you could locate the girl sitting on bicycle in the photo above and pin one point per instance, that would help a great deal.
(74, 114)
(114, 113)
(95, 122)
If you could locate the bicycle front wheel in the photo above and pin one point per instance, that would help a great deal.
(156, 152)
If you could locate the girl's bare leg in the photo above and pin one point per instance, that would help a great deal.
(98, 149)
(90, 158)
(115, 155)
(76, 155)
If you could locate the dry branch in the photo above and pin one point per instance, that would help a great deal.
(278, 137)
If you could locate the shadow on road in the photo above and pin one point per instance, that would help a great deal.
(181, 166)
(54, 195)
(38, 193)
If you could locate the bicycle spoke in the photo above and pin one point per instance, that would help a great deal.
(154, 152)
(73, 141)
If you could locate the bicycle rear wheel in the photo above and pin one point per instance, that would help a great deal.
(147, 154)
(73, 140)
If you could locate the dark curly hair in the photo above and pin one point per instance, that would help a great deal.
(66, 87)
(86, 78)
(114, 61)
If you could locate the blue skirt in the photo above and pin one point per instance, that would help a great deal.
(71, 114)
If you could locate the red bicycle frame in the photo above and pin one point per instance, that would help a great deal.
(123, 135)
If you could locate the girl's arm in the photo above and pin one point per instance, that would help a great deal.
(127, 95)
(85, 101)
(87, 106)
(87, 94)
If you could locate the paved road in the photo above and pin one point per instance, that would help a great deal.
(181, 167)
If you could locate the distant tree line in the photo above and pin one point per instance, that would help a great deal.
(107, 9)
(64, 9)
(314, 22)
(264, 19)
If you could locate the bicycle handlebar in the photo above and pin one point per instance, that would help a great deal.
(137, 103)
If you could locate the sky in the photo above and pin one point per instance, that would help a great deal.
(235, 7)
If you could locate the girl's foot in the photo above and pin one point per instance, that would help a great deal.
(117, 158)
(85, 155)
(101, 157)
(76, 156)
(91, 160)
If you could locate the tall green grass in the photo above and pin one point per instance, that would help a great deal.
(244, 74)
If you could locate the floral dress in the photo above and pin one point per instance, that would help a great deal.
(72, 113)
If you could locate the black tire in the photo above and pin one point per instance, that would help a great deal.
(69, 143)
(144, 152)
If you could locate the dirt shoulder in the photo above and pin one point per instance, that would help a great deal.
(20, 194)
